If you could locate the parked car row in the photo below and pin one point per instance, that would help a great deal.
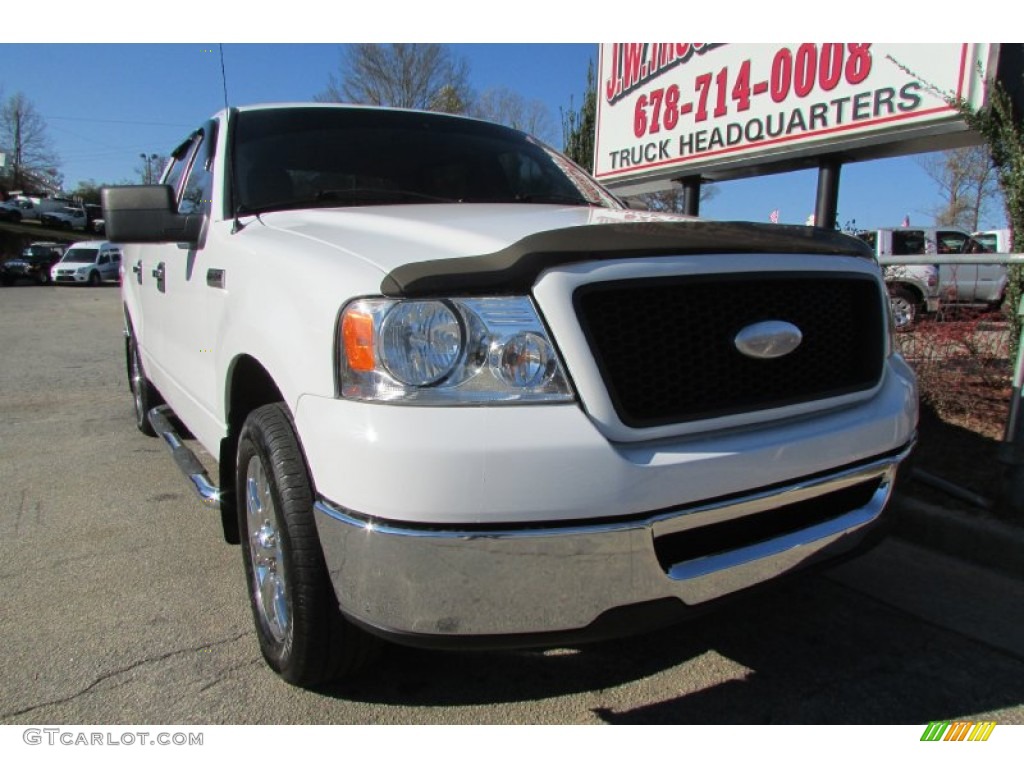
(31, 208)
(56, 212)
(90, 262)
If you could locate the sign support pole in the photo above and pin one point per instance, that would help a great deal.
(691, 195)
(827, 204)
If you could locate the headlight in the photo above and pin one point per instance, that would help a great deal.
(420, 342)
(448, 352)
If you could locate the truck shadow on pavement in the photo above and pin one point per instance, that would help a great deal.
(811, 651)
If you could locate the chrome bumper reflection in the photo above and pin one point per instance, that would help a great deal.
(503, 582)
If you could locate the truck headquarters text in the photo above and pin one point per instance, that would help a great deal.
(848, 110)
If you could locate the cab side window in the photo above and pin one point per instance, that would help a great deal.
(196, 197)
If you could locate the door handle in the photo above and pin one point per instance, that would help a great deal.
(215, 278)
(137, 269)
(158, 273)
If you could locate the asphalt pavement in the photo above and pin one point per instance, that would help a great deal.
(965, 533)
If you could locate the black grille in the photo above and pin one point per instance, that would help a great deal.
(753, 529)
(666, 348)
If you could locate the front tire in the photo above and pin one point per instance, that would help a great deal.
(94, 279)
(905, 308)
(302, 634)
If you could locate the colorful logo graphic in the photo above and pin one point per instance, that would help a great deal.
(944, 730)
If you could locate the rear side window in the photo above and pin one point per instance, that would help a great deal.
(952, 242)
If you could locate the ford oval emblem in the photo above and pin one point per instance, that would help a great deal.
(768, 340)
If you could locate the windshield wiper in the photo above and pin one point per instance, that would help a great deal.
(376, 193)
(349, 196)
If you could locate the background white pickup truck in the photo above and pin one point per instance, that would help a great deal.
(68, 217)
(460, 396)
(926, 286)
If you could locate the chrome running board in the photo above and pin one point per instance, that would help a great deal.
(208, 493)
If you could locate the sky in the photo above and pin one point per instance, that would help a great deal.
(106, 103)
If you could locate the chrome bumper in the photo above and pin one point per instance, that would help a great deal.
(472, 583)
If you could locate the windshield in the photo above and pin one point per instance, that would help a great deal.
(81, 255)
(294, 158)
(39, 252)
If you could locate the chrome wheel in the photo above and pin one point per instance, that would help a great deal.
(301, 631)
(269, 587)
(137, 382)
(904, 309)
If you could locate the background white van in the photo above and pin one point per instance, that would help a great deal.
(91, 262)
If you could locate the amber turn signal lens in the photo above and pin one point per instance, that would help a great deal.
(357, 340)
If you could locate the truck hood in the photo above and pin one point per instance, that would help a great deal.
(392, 236)
(467, 248)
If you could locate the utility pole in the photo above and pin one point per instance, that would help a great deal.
(16, 171)
(147, 177)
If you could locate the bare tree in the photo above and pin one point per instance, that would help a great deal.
(32, 163)
(87, 191)
(505, 106)
(672, 200)
(410, 75)
(968, 184)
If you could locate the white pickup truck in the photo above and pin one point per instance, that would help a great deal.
(924, 287)
(68, 217)
(460, 396)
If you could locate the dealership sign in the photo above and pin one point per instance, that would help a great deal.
(723, 110)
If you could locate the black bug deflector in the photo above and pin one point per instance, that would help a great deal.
(515, 268)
